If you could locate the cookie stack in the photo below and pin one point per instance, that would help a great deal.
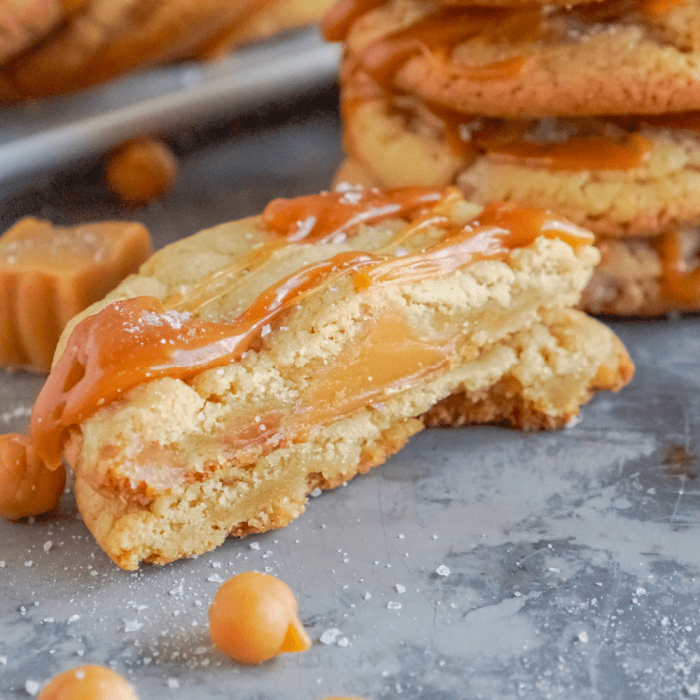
(584, 108)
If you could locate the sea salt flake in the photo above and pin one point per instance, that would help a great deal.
(443, 570)
(367, 596)
(316, 493)
(215, 578)
(32, 687)
(400, 588)
(132, 625)
(393, 605)
(47, 545)
(254, 545)
(329, 636)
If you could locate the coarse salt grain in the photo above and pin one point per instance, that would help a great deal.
(32, 687)
(442, 570)
(329, 636)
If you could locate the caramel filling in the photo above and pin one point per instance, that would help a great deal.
(678, 284)
(579, 153)
(507, 142)
(134, 341)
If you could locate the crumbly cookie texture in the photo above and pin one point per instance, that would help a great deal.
(332, 386)
(410, 146)
(646, 276)
(99, 40)
(553, 62)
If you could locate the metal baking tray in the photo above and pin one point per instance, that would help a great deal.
(46, 134)
(479, 563)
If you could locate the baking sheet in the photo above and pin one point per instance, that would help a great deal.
(55, 132)
(476, 563)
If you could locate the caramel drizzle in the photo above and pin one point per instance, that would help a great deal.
(321, 218)
(436, 35)
(136, 340)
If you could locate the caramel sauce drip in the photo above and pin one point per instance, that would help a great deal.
(439, 32)
(325, 217)
(136, 340)
(678, 284)
(579, 153)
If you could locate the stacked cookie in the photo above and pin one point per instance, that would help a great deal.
(52, 47)
(585, 108)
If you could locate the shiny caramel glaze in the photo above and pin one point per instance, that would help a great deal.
(137, 340)
(578, 153)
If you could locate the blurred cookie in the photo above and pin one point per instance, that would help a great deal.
(104, 39)
(24, 22)
(611, 57)
(646, 276)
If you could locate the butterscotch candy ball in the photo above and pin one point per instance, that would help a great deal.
(141, 171)
(27, 486)
(88, 683)
(253, 618)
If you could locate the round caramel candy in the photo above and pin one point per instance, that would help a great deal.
(141, 171)
(27, 486)
(253, 618)
(88, 683)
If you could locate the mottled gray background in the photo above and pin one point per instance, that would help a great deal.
(477, 563)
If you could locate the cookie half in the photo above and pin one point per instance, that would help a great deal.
(254, 362)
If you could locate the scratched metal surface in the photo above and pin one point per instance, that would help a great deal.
(477, 563)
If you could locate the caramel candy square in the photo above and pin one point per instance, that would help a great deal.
(49, 273)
